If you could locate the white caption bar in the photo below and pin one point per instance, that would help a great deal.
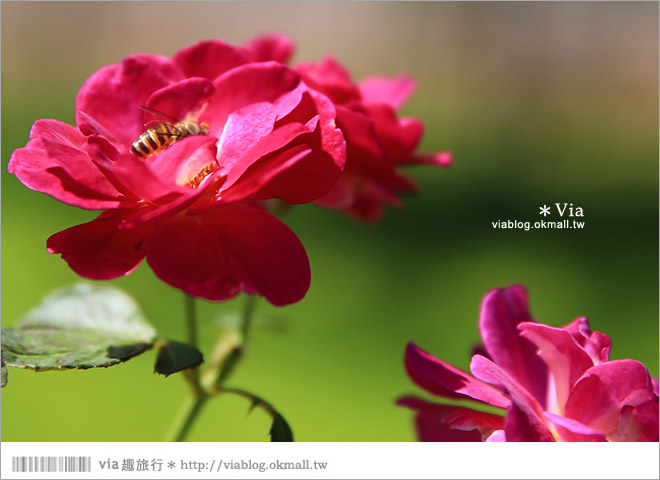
(329, 460)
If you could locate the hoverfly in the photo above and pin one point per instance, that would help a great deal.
(158, 138)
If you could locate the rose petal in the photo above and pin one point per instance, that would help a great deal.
(245, 128)
(101, 249)
(217, 254)
(391, 91)
(524, 421)
(276, 47)
(501, 312)
(181, 100)
(54, 163)
(599, 397)
(646, 414)
(108, 102)
(570, 430)
(440, 378)
(330, 78)
(183, 161)
(209, 59)
(449, 423)
(246, 85)
(497, 436)
(597, 345)
(566, 360)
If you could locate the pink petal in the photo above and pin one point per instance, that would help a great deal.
(497, 436)
(181, 162)
(330, 78)
(276, 47)
(646, 414)
(209, 59)
(524, 421)
(217, 254)
(391, 91)
(398, 136)
(101, 249)
(108, 102)
(180, 100)
(449, 423)
(440, 159)
(570, 430)
(597, 345)
(133, 175)
(521, 426)
(601, 395)
(247, 85)
(242, 131)
(54, 163)
(501, 312)
(366, 157)
(566, 360)
(440, 378)
(311, 177)
(259, 162)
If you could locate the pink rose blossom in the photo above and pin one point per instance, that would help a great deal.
(193, 209)
(554, 384)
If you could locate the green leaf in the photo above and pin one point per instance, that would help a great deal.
(5, 374)
(280, 431)
(83, 327)
(176, 356)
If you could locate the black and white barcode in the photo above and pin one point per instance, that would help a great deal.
(51, 464)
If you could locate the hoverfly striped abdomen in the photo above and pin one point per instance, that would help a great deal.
(158, 138)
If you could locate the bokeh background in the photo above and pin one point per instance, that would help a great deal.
(540, 103)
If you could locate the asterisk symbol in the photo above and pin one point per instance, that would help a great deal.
(545, 210)
(171, 464)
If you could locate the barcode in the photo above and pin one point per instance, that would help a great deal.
(51, 464)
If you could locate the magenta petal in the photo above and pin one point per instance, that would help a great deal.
(496, 436)
(217, 254)
(502, 310)
(242, 131)
(277, 48)
(180, 99)
(570, 430)
(521, 426)
(108, 102)
(450, 423)
(597, 345)
(525, 421)
(34, 168)
(209, 59)
(54, 163)
(258, 163)
(566, 360)
(101, 249)
(331, 78)
(600, 396)
(444, 380)
(181, 162)
(392, 91)
(247, 85)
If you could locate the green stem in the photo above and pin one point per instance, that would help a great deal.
(233, 358)
(191, 320)
(194, 403)
(248, 315)
(186, 417)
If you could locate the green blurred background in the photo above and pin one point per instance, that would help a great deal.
(540, 103)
